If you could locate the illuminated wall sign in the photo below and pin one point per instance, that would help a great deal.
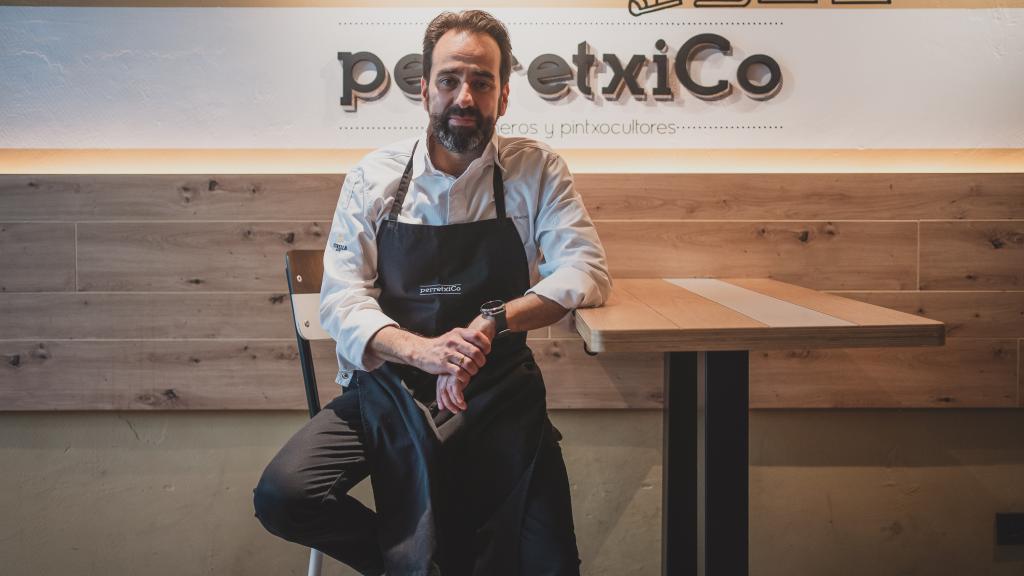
(551, 76)
(678, 76)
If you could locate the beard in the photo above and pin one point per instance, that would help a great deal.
(462, 139)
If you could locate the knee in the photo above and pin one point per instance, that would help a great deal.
(277, 502)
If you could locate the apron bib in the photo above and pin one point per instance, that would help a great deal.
(452, 499)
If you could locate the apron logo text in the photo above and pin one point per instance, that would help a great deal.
(440, 289)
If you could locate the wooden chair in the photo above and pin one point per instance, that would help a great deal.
(305, 270)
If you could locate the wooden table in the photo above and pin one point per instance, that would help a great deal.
(706, 328)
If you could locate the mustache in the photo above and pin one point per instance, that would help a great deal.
(464, 113)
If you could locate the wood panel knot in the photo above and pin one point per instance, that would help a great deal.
(14, 360)
(40, 353)
(893, 530)
(804, 235)
(998, 242)
(274, 299)
(167, 396)
(211, 185)
(555, 351)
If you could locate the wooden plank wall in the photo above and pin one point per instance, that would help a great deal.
(167, 291)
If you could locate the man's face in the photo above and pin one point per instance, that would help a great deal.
(464, 98)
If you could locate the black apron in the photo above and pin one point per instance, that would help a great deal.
(450, 490)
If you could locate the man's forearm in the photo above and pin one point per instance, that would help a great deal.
(460, 352)
(529, 312)
(392, 344)
(532, 311)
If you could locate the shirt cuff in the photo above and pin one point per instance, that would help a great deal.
(571, 288)
(365, 324)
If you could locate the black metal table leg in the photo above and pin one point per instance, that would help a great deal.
(705, 486)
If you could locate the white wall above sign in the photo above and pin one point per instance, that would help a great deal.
(586, 78)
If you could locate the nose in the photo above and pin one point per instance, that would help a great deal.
(465, 97)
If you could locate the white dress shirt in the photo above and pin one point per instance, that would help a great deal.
(566, 260)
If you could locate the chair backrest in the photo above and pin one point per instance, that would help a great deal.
(305, 270)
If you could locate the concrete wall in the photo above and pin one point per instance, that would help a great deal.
(832, 493)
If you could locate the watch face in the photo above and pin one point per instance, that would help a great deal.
(492, 307)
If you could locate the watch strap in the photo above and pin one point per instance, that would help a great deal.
(500, 323)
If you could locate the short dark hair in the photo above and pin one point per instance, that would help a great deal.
(476, 21)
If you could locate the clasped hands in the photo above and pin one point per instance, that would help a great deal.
(456, 356)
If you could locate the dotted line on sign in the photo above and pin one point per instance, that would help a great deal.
(382, 23)
(380, 127)
(716, 23)
(729, 127)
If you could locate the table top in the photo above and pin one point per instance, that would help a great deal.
(694, 314)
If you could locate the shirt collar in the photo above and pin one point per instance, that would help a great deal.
(421, 163)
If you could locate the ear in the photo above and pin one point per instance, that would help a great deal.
(503, 101)
(423, 94)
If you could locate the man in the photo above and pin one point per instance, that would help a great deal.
(444, 251)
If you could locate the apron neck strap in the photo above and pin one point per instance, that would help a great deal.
(403, 188)
(499, 190)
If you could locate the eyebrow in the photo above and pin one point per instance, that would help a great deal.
(485, 73)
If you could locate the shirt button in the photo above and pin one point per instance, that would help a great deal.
(345, 374)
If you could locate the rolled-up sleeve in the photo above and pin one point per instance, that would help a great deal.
(574, 270)
(349, 310)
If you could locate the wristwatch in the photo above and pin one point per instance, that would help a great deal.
(495, 309)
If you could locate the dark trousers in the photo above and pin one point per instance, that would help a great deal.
(303, 497)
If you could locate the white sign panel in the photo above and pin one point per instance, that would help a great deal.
(275, 78)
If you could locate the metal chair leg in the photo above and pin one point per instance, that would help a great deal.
(316, 562)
